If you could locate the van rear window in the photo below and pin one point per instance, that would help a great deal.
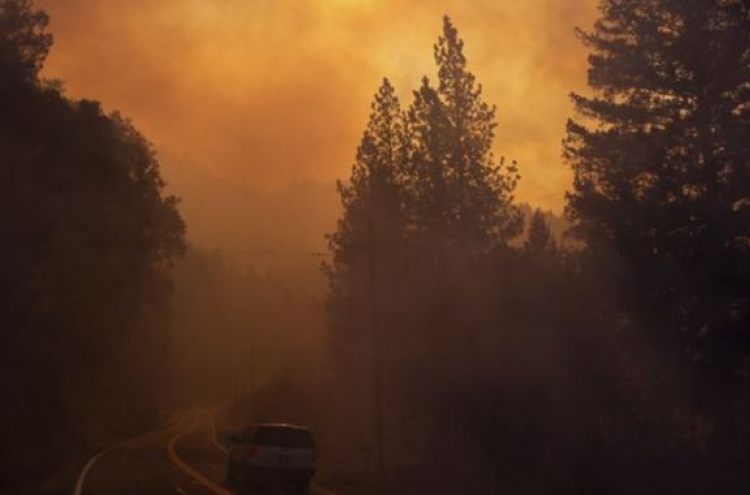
(279, 436)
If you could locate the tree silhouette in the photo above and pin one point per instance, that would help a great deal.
(661, 184)
(425, 203)
(24, 42)
(540, 239)
(662, 181)
(373, 225)
(462, 197)
(84, 273)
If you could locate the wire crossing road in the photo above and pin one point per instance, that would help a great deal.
(184, 459)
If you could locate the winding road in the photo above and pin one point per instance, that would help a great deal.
(183, 459)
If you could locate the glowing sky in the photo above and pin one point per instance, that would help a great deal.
(270, 92)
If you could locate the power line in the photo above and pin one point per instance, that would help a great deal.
(316, 254)
(271, 252)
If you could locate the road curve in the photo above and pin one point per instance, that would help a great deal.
(141, 466)
(185, 459)
(186, 468)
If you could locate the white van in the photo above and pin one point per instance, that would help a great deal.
(271, 454)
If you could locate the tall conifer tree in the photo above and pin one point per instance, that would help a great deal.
(372, 227)
(462, 195)
(662, 179)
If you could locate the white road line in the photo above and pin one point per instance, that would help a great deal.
(78, 490)
(214, 439)
(82, 477)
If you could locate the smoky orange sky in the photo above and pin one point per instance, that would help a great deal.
(257, 106)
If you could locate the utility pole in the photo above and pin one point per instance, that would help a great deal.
(236, 379)
(377, 357)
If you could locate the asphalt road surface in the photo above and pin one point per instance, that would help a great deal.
(184, 459)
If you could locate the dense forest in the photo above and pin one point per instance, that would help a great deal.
(88, 239)
(465, 341)
(615, 362)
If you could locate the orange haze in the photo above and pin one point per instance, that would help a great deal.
(256, 106)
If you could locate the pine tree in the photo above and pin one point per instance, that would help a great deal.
(24, 41)
(372, 226)
(539, 236)
(663, 178)
(661, 184)
(461, 197)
